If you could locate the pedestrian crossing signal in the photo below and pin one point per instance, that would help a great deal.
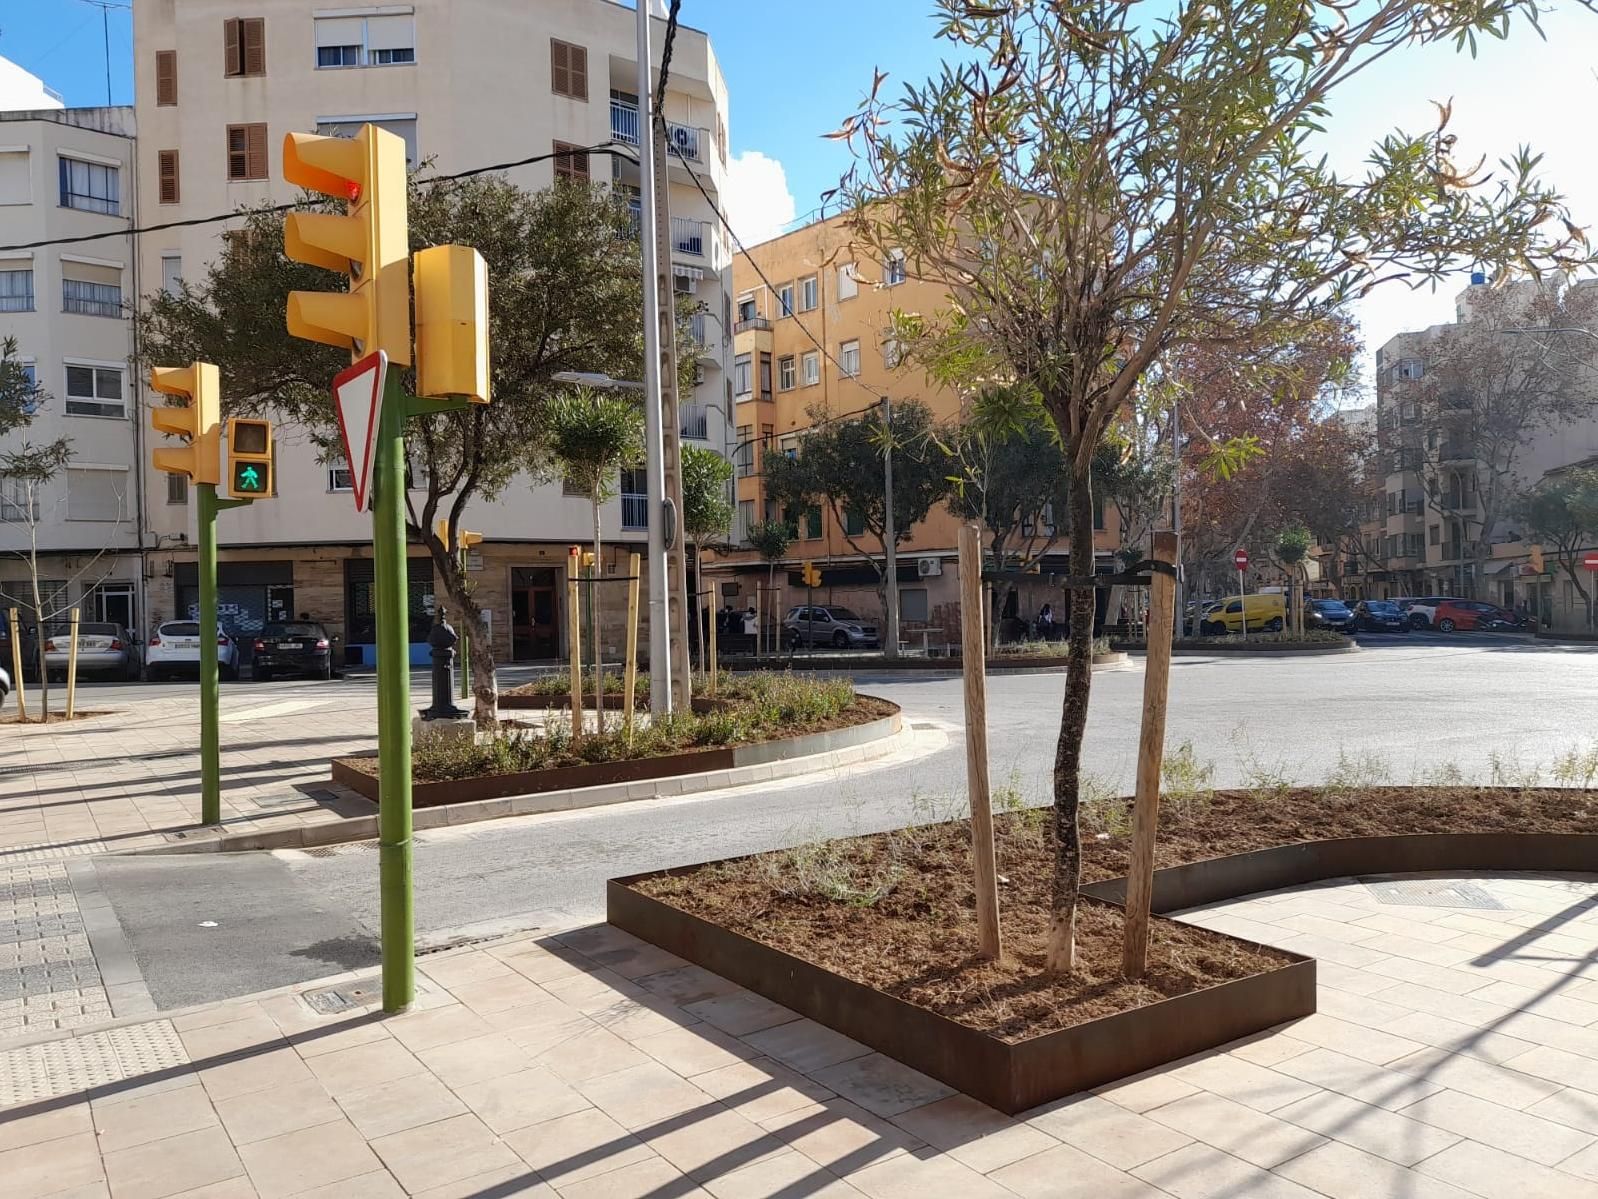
(249, 459)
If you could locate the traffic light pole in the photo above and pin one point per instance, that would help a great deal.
(210, 684)
(393, 703)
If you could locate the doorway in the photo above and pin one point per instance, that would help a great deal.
(535, 615)
(112, 603)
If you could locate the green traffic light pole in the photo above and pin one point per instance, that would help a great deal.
(210, 686)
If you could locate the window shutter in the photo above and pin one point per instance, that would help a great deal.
(577, 70)
(168, 173)
(253, 31)
(256, 151)
(166, 77)
(237, 151)
(559, 70)
(231, 64)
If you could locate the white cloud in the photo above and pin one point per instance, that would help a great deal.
(759, 204)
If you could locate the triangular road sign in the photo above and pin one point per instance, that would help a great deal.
(358, 397)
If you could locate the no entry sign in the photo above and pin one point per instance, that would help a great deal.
(1240, 560)
(1590, 559)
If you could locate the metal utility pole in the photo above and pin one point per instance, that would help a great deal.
(890, 643)
(660, 658)
(210, 687)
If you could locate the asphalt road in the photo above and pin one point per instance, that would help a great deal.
(1406, 707)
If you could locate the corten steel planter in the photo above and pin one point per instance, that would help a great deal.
(600, 774)
(1016, 1076)
(1009, 1076)
(563, 703)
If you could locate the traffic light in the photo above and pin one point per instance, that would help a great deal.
(200, 424)
(369, 244)
(463, 539)
(452, 322)
(809, 575)
(249, 451)
(1536, 554)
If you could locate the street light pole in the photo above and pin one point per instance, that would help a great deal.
(890, 643)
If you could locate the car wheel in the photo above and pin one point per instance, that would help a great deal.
(840, 640)
(1445, 625)
(1417, 621)
(229, 673)
(326, 674)
(261, 674)
(1274, 626)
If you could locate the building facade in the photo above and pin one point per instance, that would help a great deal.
(67, 173)
(466, 83)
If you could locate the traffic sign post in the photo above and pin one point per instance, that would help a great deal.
(1240, 560)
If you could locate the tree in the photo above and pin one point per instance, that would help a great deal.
(1292, 547)
(565, 295)
(1008, 474)
(592, 437)
(1562, 513)
(1094, 186)
(706, 512)
(771, 539)
(840, 464)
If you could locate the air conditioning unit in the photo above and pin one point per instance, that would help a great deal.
(928, 567)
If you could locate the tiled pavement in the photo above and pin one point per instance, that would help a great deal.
(1455, 1054)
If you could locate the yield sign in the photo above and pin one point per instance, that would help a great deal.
(357, 397)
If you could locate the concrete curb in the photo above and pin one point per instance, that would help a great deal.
(113, 956)
(1258, 651)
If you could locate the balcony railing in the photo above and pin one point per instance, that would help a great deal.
(696, 330)
(624, 122)
(751, 322)
(688, 236)
(683, 141)
(634, 511)
(695, 422)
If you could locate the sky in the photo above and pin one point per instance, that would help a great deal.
(789, 87)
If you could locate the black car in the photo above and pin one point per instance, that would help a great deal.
(1379, 616)
(1330, 614)
(293, 647)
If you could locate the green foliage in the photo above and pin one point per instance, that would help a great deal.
(1292, 545)
(1577, 767)
(20, 397)
(1185, 779)
(1046, 649)
(1561, 512)
(1357, 772)
(771, 538)
(706, 510)
(1007, 469)
(593, 436)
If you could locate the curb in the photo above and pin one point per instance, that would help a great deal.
(1260, 651)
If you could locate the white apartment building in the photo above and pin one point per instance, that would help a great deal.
(69, 172)
(467, 83)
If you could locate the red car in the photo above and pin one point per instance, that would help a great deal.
(1457, 614)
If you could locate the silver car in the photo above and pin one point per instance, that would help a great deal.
(104, 650)
(827, 624)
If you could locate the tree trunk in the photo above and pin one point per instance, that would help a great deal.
(699, 624)
(38, 613)
(760, 609)
(593, 626)
(480, 656)
(1060, 957)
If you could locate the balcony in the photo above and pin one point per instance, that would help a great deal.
(1452, 551)
(682, 141)
(697, 330)
(695, 422)
(634, 511)
(752, 322)
(688, 236)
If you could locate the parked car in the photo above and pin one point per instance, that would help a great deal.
(104, 649)
(5, 685)
(1263, 611)
(1422, 611)
(1331, 614)
(1457, 615)
(1379, 616)
(1197, 612)
(827, 625)
(292, 647)
(174, 648)
(28, 646)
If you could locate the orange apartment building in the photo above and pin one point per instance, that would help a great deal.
(814, 285)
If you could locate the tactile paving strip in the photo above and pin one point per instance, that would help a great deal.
(65, 1067)
(1432, 893)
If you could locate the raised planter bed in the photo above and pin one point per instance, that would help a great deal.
(1236, 645)
(510, 701)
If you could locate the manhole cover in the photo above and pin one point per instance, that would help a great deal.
(332, 1000)
(1432, 893)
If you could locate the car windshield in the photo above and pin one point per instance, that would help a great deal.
(183, 628)
(295, 629)
(1331, 605)
(1383, 607)
(842, 614)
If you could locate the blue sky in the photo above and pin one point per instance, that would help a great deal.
(793, 75)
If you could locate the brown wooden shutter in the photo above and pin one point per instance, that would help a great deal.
(256, 151)
(559, 71)
(168, 174)
(166, 77)
(577, 69)
(571, 162)
(253, 31)
(231, 64)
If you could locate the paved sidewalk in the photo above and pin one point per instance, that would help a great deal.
(1454, 1054)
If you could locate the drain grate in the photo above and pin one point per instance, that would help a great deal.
(334, 851)
(1432, 893)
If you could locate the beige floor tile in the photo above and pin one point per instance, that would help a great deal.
(329, 1037)
(1379, 1085)
(541, 964)
(841, 1136)
(644, 1096)
(687, 984)
(379, 1184)
(1106, 1130)
(907, 1176)
(1366, 1044)
(514, 1101)
(649, 1179)
(1241, 1131)
(1140, 1092)
(19, 1128)
(1455, 1037)
(592, 989)
(448, 1151)
(1067, 1173)
(787, 1176)
(172, 1166)
(1501, 1127)
(1204, 1172)
(59, 1164)
(231, 1188)
(973, 1133)
(500, 993)
(261, 1115)
(462, 1063)
(711, 1142)
(590, 1054)
(1372, 1129)
(881, 1085)
(308, 1157)
(1341, 1170)
(691, 1051)
(1492, 1173)
(644, 1016)
(439, 1026)
(512, 1182)
(253, 1029)
(245, 1072)
(741, 1012)
(537, 1030)
(760, 1089)
(581, 1145)
(449, 969)
(1269, 1048)
(402, 1103)
(1497, 1084)
(805, 1045)
(1243, 1082)
(363, 1066)
(1579, 1109)
(638, 961)
(155, 1117)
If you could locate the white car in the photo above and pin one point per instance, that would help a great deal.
(174, 648)
(5, 685)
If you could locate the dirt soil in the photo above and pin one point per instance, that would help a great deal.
(896, 911)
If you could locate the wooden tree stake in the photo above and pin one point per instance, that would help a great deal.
(16, 667)
(72, 667)
(1150, 758)
(574, 643)
(710, 637)
(973, 665)
(630, 666)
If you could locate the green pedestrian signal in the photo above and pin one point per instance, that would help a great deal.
(248, 479)
(249, 458)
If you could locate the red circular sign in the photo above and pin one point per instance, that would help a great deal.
(1240, 560)
(1590, 559)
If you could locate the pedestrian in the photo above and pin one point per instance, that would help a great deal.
(1046, 622)
(751, 622)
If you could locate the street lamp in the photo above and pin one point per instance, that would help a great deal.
(596, 379)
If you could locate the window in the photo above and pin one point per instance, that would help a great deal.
(813, 522)
(849, 358)
(246, 152)
(337, 56)
(807, 294)
(167, 176)
(765, 375)
(177, 489)
(568, 70)
(85, 298)
(571, 162)
(91, 186)
(913, 604)
(892, 355)
(848, 288)
(785, 300)
(854, 524)
(634, 499)
(95, 391)
(339, 477)
(811, 368)
(97, 492)
(243, 46)
(785, 373)
(166, 78)
(16, 290)
(746, 309)
(893, 275)
(396, 56)
(1414, 546)
(745, 451)
(172, 273)
(377, 40)
(742, 381)
(746, 518)
(1434, 535)
(14, 501)
(16, 182)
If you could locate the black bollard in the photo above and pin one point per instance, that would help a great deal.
(441, 642)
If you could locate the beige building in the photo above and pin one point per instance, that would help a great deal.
(65, 173)
(466, 83)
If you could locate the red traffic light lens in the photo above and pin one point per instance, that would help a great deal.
(354, 190)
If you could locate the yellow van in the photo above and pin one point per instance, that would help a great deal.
(1266, 612)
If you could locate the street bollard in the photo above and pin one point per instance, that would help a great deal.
(441, 642)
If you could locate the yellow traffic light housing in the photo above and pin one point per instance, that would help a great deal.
(809, 575)
(1535, 555)
(463, 538)
(452, 322)
(370, 243)
(249, 451)
(200, 424)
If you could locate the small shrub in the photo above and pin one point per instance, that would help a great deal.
(1264, 781)
(1104, 811)
(1576, 767)
(821, 869)
(1448, 774)
(1358, 772)
(1185, 780)
(1507, 771)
